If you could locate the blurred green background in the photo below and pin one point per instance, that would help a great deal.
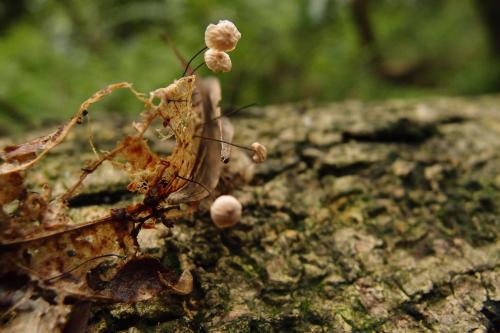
(56, 53)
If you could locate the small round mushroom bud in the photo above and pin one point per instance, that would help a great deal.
(225, 211)
(259, 152)
(218, 61)
(222, 36)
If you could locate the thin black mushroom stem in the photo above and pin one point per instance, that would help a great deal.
(197, 183)
(58, 276)
(196, 68)
(157, 214)
(229, 113)
(226, 142)
(191, 60)
(259, 151)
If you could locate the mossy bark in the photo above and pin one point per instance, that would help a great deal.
(378, 217)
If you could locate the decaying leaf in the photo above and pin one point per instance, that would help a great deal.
(20, 157)
(138, 280)
(41, 240)
(97, 259)
(60, 260)
(188, 174)
(37, 316)
(149, 173)
(11, 185)
(207, 167)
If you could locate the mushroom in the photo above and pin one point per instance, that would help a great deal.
(225, 211)
(217, 61)
(222, 36)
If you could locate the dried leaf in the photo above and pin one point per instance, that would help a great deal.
(37, 316)
(59, 254)
(60, 260)
(137, 280)
(208, 166)
(11, 187)
(20, 157)
(96, 259)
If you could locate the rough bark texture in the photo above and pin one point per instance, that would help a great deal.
(366, 218)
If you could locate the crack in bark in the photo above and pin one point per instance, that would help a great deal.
(99, 198)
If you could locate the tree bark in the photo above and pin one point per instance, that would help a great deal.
(379, 217)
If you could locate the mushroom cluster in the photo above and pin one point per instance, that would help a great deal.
(220, 38)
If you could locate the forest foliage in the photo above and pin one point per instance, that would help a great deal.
(54, 54)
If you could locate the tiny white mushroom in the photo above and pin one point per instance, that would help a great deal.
(218, 61)
(225, 211)
(259, 152)
(222, 36)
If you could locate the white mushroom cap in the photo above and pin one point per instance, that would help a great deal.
(222, 36)
(225, 211)
(218, 61)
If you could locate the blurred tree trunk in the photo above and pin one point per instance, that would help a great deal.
(401, 72)
(490, 11)
(361, 17)
(10, 12)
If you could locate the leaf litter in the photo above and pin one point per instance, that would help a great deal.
(99, 259)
